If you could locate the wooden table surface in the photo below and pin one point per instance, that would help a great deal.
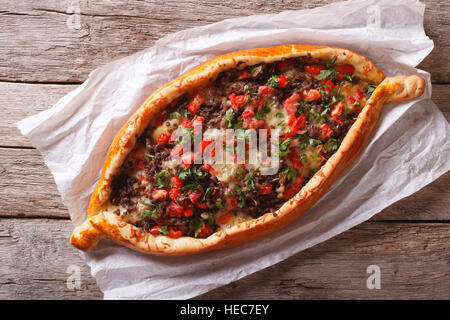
(44, 55)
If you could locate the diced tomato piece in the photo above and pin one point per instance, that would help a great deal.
(314, 69)
(224, 218)
(200, 205)
(358, 95)
(290, 104)
(188, 212)
(142, 178)
(138, 154)
(254, 123)
(338, 109)
(295, 159)
(351, 101)
(325, 132)
(291, 119)
(248, 113)
(176, 182)
(337, 112)
(174, 192)
(293, 188)
(195, 103)
(345, 69)
(163, 138)
(328, 84)
(285, 64)
(187, 159)
(311, 95)
(197, 122)
(282, 81)
(265, 190)
(239, 101)
(205, 231)
(174, 209)
(208, 149)
(186, 123)
(265, 90)
(244, 74)
(203, 144)
(155, 230)
(140, 165)
(175, 233)
(297, 124)
(194, 196)
(158, 194)
(257, 102)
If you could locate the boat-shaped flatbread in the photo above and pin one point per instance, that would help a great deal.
(236, 148)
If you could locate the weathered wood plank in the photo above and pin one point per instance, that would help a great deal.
(27, 189)
(50, 47)
(20, 100)
(413, 258)
(36, 261)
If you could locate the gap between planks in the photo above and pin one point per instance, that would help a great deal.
(413, 259)
(47, 48)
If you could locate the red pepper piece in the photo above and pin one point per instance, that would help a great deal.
(311, 95)
(175, 233)
(248, 113)
(239, 101)
(343, 69)
(325, 132)
(195, 103)
(163, 138)
(290, 104)
(205, 231)
(245, 74)
(297, 124)
(293, 188)
(265, 90)
(314, 69)
(188, 158)
(282, 81)
(174, 209)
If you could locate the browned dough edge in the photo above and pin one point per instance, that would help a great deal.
(104, 224)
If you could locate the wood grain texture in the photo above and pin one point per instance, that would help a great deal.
(50, 47)
(36, 256)
(18, 101)
(413, 258)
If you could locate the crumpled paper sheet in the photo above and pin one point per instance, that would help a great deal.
(409, 149)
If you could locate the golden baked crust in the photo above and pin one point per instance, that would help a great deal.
(101, 223)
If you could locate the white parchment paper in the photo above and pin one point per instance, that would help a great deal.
(409, 149)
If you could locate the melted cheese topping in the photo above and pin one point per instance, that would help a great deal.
(275, 116)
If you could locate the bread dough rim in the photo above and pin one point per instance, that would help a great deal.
(105, 224)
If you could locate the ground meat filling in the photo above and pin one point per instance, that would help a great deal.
(312, 103)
